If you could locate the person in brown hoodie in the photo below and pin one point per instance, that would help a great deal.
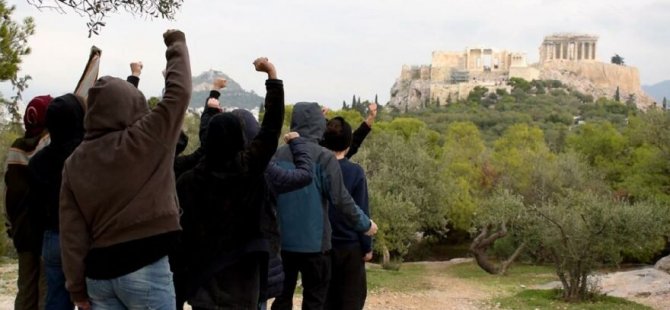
(119, 214)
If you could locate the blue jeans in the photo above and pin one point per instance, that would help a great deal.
(58, 297)
(150, 287)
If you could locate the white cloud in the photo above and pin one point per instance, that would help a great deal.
(328, 50)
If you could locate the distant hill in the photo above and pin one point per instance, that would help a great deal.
(658, 90)
(231, 96)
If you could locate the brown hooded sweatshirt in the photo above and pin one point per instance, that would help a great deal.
(118, 185)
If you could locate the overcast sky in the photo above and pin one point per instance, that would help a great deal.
(326, 51)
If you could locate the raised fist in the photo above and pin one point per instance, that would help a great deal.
(372, 109)
(213, 103)
(168, 32)
(262, 64)
(136, 68)
(219, 83)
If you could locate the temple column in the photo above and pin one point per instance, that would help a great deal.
(593, 51)
(560, 50)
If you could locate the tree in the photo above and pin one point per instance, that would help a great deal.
(617, 60)
(583, 231)
(13, 47)
(665, 103)
(617, 95)
(97, 10)
(344, 105)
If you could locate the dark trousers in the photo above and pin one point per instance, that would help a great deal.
(32, 282)
(314, 269)
(348, 284)
(235, 287)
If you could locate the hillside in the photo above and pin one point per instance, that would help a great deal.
(232, 96)
(658, 90)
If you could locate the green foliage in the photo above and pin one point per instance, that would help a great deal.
(550, 299)
(582, 231)
(153, 102)
(617, 60)
(97, 10)
(13, 41)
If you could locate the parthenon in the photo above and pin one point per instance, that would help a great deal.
(567, 46)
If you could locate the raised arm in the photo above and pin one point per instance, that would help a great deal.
(135, 72)
(264, 145)
(165, 120)
(286, 180)
(362, 131)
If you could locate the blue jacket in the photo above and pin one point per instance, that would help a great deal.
(303, 213)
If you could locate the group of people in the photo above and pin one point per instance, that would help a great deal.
(106, 213)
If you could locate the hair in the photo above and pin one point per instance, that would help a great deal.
(338, 135)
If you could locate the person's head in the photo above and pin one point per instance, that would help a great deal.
(308, 120)
(249, 125)
(34, 119)
(113, 104)
(65, 118)
(338, 135)
(225, 139)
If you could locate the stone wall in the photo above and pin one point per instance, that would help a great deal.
(597, 79)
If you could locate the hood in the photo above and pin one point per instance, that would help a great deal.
(225, 140)
(65, 119)
(249, 125)
(113, 105)
(308, 121)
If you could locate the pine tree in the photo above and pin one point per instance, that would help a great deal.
(344, 105)
(353, 102)
(376, 102)
(665, 103)
(617, 95)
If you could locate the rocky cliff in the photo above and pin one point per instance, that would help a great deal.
(231, 96)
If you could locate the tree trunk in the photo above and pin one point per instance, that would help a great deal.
(483, 242)
(386, 255)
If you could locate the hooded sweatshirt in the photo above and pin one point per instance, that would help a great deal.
(303, 214)
(118, 186)
(22, 226)
(223, 197)
(65, 122)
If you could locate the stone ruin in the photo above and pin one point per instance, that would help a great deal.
(570, 58)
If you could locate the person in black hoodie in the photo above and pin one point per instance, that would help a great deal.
(65, 122)
(223, 200)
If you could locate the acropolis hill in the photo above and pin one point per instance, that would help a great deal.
(569, 58)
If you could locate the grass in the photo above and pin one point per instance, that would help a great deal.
(410, 277)
(513, 291)
(550, 299)
(518, 277)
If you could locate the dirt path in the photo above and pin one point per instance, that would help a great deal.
(444, 292)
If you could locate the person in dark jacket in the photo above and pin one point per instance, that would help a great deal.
(119, 214)
(351, 249)
(222, 201)
(303, 214)
(361, 132)
(65, 122)
(23, 227)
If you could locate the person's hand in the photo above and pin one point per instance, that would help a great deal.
(290, 136)
(168, 32)
(367, 257)
(83, 305)
(324, 110)
(262, 64)
(372, 113)
(373, 228)
(213, 103)
(136, 68)
(219, 83)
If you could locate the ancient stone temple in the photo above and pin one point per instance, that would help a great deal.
(568, 46)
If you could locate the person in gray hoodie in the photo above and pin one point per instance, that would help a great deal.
(303, 214)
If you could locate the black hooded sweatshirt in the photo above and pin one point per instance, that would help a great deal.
(65, 122)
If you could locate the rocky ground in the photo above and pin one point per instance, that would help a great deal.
(647, 286)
